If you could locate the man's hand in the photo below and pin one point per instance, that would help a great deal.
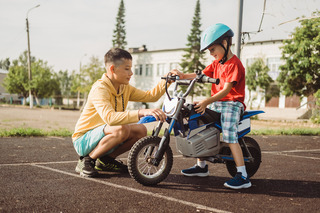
(175, 72)
(157, 113)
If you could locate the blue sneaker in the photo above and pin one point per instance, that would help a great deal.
(238, 182)
(196, 171)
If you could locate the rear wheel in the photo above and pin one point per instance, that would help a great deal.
(251, 167)
(140, 158)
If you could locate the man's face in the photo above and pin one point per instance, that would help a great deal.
(123, 72)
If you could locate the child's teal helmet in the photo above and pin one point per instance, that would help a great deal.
(214, 35)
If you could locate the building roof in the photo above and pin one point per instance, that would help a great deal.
(180, 49)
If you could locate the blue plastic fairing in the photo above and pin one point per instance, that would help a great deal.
(147, 119)
(251, 113)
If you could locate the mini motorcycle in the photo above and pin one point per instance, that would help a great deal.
(197, 135)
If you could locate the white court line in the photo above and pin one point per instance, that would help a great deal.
(195, 205)
(284, 153)
(31, 164)
(295, 150)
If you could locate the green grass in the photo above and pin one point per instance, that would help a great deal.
(293, 131)
(31, 132)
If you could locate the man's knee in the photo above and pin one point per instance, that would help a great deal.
(120, 132)
(139, 131)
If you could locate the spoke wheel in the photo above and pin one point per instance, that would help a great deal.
(140, 158)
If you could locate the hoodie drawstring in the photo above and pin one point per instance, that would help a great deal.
(115, 101)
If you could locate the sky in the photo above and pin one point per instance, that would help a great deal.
(66, 33)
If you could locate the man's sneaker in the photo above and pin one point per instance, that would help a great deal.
(88, 170)
(196, 171)
(109, 164)
(80, 165)
(238, 182)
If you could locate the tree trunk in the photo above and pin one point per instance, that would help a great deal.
(37, 100)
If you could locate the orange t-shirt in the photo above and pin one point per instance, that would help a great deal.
(231, 71)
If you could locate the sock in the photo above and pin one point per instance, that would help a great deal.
(201, 163)
(243, 171)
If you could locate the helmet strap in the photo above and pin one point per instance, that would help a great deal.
(224, 58)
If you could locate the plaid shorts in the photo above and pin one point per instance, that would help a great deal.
(230, 116)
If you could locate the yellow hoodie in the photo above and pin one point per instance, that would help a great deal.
(100, 106)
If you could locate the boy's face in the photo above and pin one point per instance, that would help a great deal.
(217, 51)
(122, 72)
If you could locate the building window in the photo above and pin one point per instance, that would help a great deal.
(174, 66)
(149, 69)
(273, 63)
(138, 69)
(250, 61)
(160, 69)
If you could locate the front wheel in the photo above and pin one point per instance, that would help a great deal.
(140, 158)
(251, 167)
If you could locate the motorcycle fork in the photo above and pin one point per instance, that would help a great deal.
(156, 131)
(164, 143)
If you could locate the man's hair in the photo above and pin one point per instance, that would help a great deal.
(116, 56)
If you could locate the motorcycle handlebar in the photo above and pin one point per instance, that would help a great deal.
(202, 79)
(206, 79)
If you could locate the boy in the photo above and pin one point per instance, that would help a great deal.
(226, 98)
(104, 129)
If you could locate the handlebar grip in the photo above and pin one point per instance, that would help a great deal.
(206, 79)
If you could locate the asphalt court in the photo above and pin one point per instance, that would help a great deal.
(37, 175)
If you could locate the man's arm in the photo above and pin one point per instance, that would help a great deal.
(101, 102)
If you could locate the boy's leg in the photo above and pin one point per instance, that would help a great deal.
(237, 154)
(230, 117)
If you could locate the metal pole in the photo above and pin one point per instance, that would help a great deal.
(78, 97)
(29, 60)
(80, 70)
(29, 67)
(239, 28)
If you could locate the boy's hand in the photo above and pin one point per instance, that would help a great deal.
(200, 107)
(157, 113)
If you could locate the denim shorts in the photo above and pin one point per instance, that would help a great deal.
(230, 116)
(87, 142)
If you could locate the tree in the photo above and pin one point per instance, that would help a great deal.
(91, 73)
(257, 77)
(191, 60)
(43, 83)
(76, 85)
(5, 64)
(315, 118)
(119, 34)
(65, 83)
(16, 82)
(300, 74)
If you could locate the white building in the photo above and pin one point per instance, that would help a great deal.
(149, 66)
(4, 95)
